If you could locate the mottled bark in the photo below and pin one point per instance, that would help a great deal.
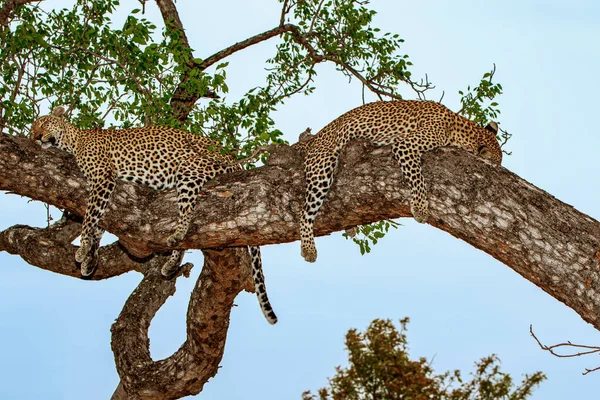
(182, 100)
(197, 360)
(51, 249)
(546, 241)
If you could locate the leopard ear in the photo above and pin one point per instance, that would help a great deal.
(59, 111)
(492, 127)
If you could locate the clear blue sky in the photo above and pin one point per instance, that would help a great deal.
(463, 304)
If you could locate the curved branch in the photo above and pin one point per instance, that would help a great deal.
(224, 275)
(261, 37)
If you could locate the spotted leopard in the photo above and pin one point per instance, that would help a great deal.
(411, 127)
(157, 156)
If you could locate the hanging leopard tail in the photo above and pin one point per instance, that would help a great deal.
(259, 285)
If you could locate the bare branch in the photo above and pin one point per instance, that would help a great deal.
(569, 345)
(261, 37)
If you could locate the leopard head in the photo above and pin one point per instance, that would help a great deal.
(51, 130)
(488, 147)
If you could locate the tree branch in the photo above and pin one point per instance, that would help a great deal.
(182, 100)
(224, 275)
(261, 37)
(8, 8)
(51, 249)
(552, 350)
(546, 241)
(172, 20)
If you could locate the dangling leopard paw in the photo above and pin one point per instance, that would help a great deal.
(420, 211)
(82, 252)
(309, 252)
(89, 266)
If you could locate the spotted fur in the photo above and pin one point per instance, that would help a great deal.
(157, 156)
(410, 127)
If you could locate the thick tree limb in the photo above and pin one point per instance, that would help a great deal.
(182, 100)
(546, 241)
(224, 275)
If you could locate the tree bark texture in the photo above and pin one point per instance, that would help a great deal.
(197, 360)
(546, 241)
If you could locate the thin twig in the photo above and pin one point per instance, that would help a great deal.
(284, 11)
(550, 349)
(312, 23)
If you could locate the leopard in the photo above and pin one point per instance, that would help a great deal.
(411, 127)
(157, 156)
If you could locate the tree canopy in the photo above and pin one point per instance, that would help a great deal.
(380, 367)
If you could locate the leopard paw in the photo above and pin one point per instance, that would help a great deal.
(175, 238)
(309, 253)
(420, 211)
(88, 267)
(82, 251)
(169, 269)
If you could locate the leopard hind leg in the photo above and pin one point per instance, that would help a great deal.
(191, 176)
(89, 265)
(320, 166)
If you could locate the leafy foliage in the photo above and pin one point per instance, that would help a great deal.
(365, 235)
(126, 75)
(380, 368)
(480, 103)
(339, 31)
